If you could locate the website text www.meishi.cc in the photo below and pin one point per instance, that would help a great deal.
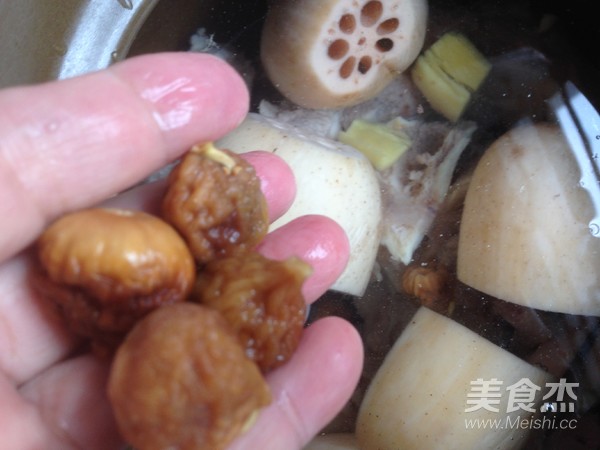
(521, 423)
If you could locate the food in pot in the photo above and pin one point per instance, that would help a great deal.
(425, 394)
(520, 75)
(415, 186)
(449, 72)
(335, 53)
(381, 144)
(430, 285)
(525, 234)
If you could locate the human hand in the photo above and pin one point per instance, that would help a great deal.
(73, 144)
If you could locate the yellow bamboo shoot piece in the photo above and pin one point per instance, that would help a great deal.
(449, 72)
(379, 143)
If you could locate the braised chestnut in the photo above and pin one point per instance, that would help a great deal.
(215, 201)
(181, 380)
(106, 268)
(262, 301)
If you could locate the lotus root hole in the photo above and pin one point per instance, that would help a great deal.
(388, 26)
(347, 24)
(371, 13)
(338, 49)
(365, 64)
(347, 67)
(384, 45)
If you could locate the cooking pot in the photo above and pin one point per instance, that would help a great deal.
(538, 49)
(71, 37)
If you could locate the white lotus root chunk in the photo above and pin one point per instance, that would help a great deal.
(426, 391)
(332, 179)
(524, 235)
(333, 53)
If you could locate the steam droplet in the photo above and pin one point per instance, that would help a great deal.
(595, 229)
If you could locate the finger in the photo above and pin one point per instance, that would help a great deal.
(22, 427)
(146, 197)
(69, 144)
(32, 336)
(71, 401)
(319, 241)
(310, 389)
(276, 180)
